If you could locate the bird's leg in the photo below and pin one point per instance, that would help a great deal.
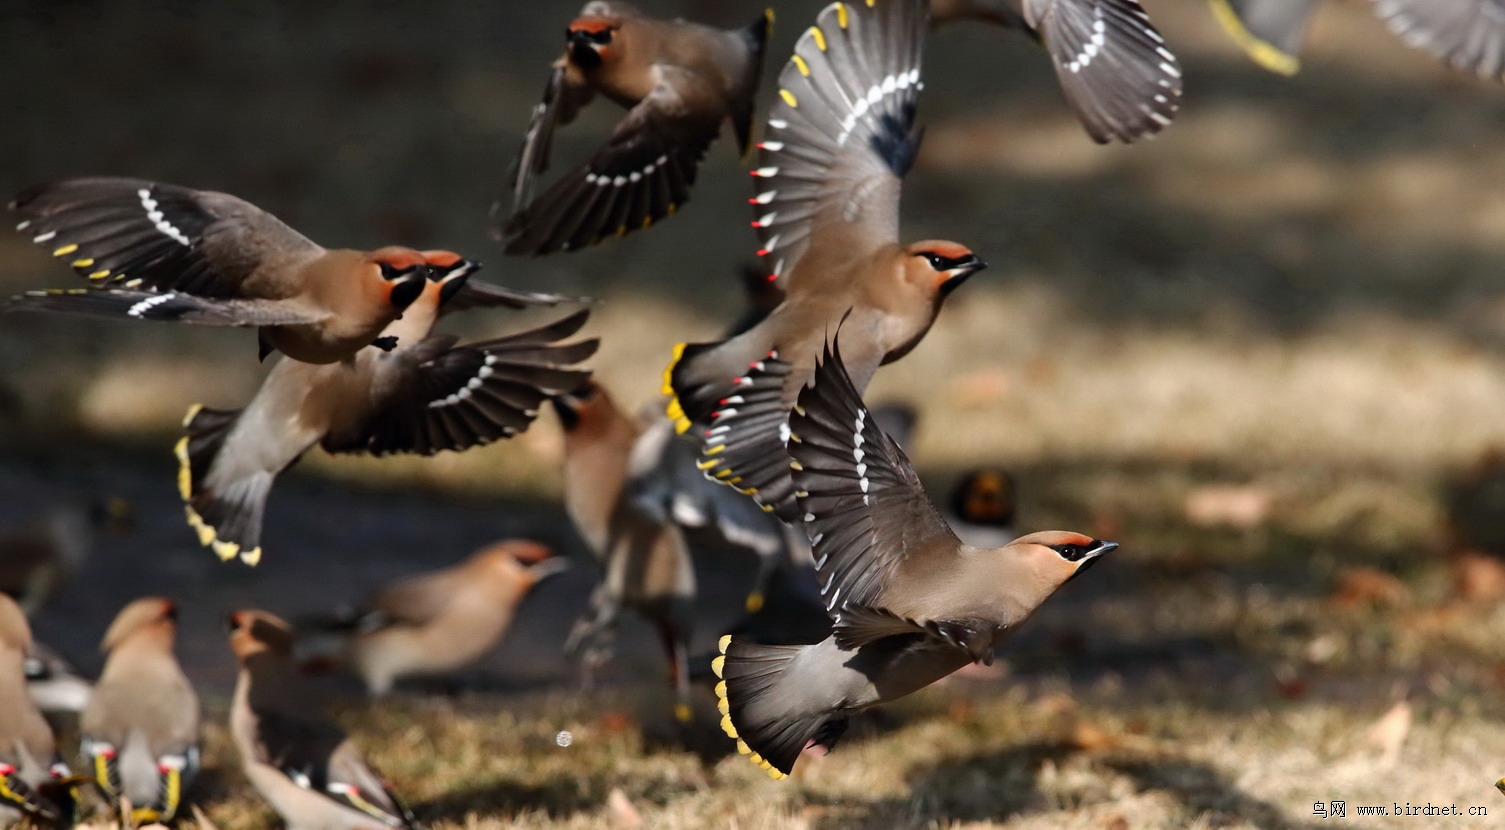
(677, 647)
(591, 638)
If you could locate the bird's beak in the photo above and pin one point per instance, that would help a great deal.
(1093, 554)
(549, 567)
(958, 275)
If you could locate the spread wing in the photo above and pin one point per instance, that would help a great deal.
(841, 134)
(172, 306)
(563, 96)
(863, 506)
(1113, 65)
(474, 294)
(642, 175)
(438, 396)
(157, 236)
(1468, 34)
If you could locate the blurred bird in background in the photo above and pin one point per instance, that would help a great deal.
(139, 734)
(429, 624)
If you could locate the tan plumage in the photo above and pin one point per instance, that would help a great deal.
(679, 81)
(158, 251)
(909, 602)
(29, 762)
(828, 211)
(435, 623)
(298, 759)
(644, 558)
(139, 735)
(423, 395)
(1113, 65)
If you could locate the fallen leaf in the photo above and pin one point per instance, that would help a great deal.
(1389, 732)
(621, 811)
(1240, 506)
(1361, 586)
(1479, 577)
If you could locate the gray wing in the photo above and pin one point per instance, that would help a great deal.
(1468, 34)
(841, 133)
(864, 508)
(169, 306)
(144, 234)
(1112, 64)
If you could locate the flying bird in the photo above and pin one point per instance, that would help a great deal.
(297, 758)
(140, 731)
(1119, 77)
(432, 623)
(156, 251)
(1468, 35)
(840, 138)
(678, 80)
(644, 559)
(909, 602)
(424, 395)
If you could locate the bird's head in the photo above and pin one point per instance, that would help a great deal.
(253, 632)
(404, 273)
(450, 271)
(940, 266)
(592, 40)
(1060, 555)
(583, 408)
(158, 613)
(985, 497)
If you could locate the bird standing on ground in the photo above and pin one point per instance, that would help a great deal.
(1468, 35)
(436, 622)
(298, 759)
(840, 138)
(425, 395)
(156, 251)
(910, 603)
(679, 81)
(1114, 67)
(644, 559)
(33, 778)
(140, 731)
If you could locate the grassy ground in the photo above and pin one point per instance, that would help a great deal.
(1255, 350)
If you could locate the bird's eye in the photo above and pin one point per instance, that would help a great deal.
(388, 270)
(943, 264)
(1070, 553)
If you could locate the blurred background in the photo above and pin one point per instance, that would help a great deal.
(1265, 351)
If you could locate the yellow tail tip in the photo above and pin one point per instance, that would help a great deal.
(200, 527)
(251, 557)
(718, 665)
(730, 729)
(1265, 54)
(185, 469)
(225, 550)
(678, 352)
(193, 412)
(721, 644)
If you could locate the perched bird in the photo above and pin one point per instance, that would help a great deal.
(1114, 67)
(39, 559)
(298, 759)
(909, 602)
(679, 81)
(425, 395)
(156, 251)
(644, 559)
(432, 623)
(52, 682)
(1468, 35)
(34, 781)
(140, 732)
(983, 506)
(840, 137)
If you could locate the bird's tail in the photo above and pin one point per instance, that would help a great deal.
(744, 109)
(761, 709)
(1270, 32)
(227, 517)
